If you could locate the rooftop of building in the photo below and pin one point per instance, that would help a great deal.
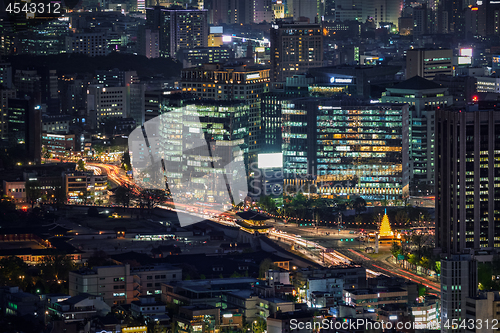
(276, 300)
(154, 303)
(417, 83)
(213, 284)
(292, 315)
(252, 215)
(235, 66)
(243, 293)
(370, 291)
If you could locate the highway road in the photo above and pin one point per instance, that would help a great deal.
(316, 244)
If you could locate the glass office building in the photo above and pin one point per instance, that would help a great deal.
(346, 150)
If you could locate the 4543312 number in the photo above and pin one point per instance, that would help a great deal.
(33, 8)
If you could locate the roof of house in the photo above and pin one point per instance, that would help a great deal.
(252, 215)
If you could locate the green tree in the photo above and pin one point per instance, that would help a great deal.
(421, 290)
(126, 161)
(395, 249)
(402, 217)
(123, 195)
(259, 325)
(152, 198)
(266, 265)
(267, 203)
(57, 267)
(33, 192)
(425, 262)
(80, 166)
(12, 269)
(359, 205)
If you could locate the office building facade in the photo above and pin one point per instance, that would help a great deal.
(423, 97)
(346, 149)
(185, 133)
(226, 82)
(428, 63)
(93, 44)
(467, 180)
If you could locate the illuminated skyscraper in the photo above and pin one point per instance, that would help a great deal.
(231, 82)
(346, 149)
(467, 203)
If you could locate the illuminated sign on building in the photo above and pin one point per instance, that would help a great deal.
(253, 76)
(466, 52)
(495, 62)
(464, 60)
(266, 161)
(340, 80)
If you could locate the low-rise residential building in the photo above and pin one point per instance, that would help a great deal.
(299, 322)
(194, 292)
(483, 308)
(122, 284)
(373, 299)
(269, 306)
(80, 308)
(325, 292)
(199, 318)
(245, 301)
(148, 307)
(354, 276)
(15, 190)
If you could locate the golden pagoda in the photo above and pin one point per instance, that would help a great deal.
(385, 231)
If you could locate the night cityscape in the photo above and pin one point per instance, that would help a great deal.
(249, 166)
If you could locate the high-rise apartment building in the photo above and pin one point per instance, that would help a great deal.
(230, 11)
(295, 47)
(178, 28)
(226, 82)
(262, 11)
(303, 9)
(148, 40)
(429, 63)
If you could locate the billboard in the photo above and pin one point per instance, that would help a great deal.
(495, 62)
(464, 60)
(466, 52)
(267, 161)
(216, 30)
